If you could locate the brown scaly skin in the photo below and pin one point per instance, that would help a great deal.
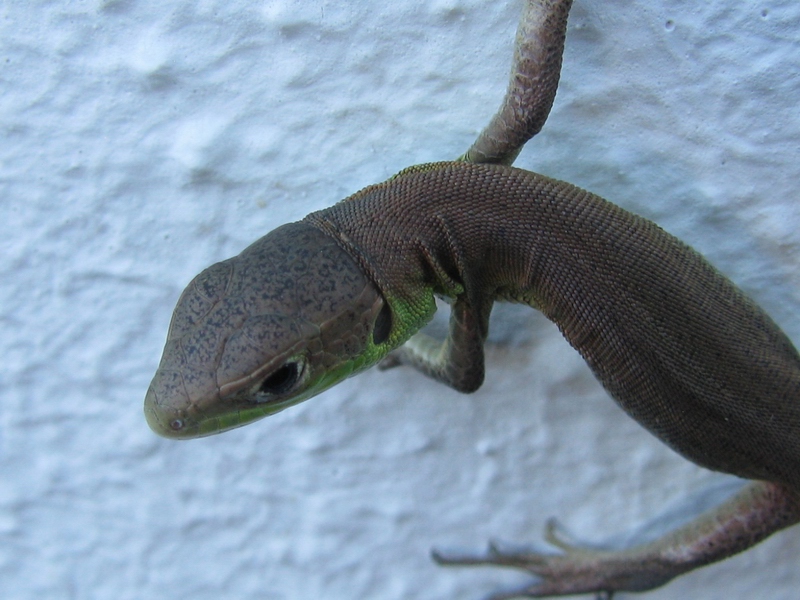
(679, 347)
(535, 72)
(752, 515)
(674, 342)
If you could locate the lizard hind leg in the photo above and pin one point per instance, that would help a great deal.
(750, 516)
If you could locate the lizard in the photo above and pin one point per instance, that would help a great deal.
(675, 343)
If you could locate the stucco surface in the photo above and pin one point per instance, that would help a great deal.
(143, 141)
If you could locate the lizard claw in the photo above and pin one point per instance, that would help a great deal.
(556, 535)
(390, 361)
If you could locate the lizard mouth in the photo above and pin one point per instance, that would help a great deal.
(194, 421)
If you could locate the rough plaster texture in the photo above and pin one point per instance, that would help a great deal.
(143, 140)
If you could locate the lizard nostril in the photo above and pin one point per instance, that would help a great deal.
(176, 424)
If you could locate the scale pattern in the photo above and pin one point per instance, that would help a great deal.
(678, 345)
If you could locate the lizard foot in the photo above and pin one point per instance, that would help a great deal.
(575, 570)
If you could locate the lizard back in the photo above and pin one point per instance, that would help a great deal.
(678, 346)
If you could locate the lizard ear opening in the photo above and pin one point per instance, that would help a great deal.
(383, 325)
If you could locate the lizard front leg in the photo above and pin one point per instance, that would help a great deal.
(458, 360)
(756, 512)
(532, 86)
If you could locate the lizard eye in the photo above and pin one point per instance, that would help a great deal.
(281, 380)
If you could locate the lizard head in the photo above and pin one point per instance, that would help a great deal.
(289, 317)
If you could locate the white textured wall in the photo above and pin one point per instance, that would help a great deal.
(144, 140)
